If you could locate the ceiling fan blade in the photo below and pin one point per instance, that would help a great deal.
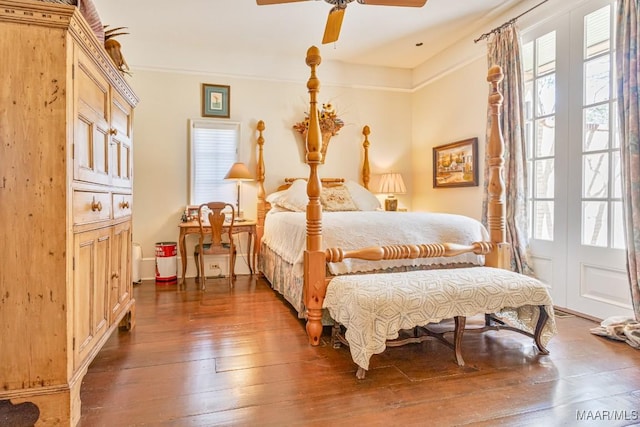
(265, 2)
(334, 23)
(406, 3)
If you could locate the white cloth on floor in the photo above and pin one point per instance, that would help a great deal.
(620, 328)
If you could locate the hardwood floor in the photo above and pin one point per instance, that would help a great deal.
(240, 356)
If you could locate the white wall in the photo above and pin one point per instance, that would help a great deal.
(169, 99)
(450, 104)
(447, 111)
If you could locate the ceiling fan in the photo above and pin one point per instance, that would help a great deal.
(334, 21)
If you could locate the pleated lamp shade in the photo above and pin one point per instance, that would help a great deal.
(240, 172)
(391, 184)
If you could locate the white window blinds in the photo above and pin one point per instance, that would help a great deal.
(213, 150)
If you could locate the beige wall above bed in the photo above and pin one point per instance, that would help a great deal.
(446, 102)
(169, 99)
(444, 112)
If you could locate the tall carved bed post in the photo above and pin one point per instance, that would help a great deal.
(261, 210)
(366, 173)
(500, 255)
(314, 256)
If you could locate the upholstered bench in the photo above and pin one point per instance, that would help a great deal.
(374, 308)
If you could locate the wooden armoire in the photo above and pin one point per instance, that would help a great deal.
(66, 174)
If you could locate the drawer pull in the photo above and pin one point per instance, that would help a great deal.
(124, 205)
(96, 206)
(113, 131)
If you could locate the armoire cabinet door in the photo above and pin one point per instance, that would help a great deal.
(91, 278)
(92, 131)
(120, 271)
(120, 147)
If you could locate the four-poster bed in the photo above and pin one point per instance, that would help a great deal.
(332, 256)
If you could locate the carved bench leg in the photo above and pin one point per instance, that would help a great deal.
(542, 321)
(460, 322)
(360, 373)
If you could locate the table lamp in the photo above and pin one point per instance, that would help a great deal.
(391, 184)
(239, 172)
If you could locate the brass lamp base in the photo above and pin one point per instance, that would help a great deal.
(390, 204)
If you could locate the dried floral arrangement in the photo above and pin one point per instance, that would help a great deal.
(330, 123)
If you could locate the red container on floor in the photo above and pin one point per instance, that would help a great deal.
(166, 262)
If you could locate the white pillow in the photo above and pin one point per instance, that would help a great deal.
(294, 198)
(271, 199)
(364, 199)
(275, 209)
(274, 196)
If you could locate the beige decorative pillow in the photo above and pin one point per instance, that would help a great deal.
(335, 199)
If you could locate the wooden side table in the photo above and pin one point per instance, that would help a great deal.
(192, 227)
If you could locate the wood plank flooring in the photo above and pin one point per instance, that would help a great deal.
(239, 356)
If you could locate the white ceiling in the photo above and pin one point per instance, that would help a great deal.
(371, 35)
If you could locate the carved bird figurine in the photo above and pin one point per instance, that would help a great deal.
(113, 48)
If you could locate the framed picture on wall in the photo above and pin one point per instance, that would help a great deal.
(215, 100)
(456, 164)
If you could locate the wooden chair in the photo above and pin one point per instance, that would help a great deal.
(218, 224)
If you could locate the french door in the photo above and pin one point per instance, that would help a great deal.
(574, 200)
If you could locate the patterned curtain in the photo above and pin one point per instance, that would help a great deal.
(628, 70)
(503, 49)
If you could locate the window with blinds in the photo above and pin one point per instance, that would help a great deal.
(213, 147)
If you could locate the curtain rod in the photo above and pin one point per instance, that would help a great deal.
(509, 22)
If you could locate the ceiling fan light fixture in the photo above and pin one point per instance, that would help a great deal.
(340, 3)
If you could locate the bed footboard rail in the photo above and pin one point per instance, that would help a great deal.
(391, 252)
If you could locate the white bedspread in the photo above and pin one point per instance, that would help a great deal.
(285, 234)
(375, 307)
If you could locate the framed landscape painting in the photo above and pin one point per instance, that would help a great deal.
(456, 164)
